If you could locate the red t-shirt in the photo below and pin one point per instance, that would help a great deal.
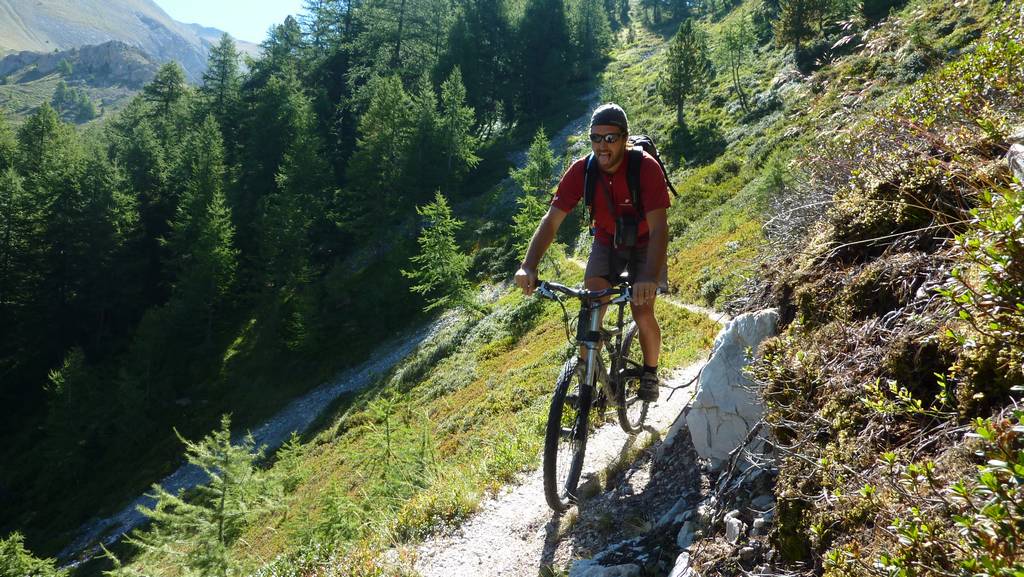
(653, 195)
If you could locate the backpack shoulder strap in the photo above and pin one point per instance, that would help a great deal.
(634, 158)
(588, 184)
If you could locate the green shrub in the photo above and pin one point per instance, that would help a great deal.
(16, 560)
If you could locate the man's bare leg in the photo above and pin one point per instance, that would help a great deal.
(650, 332)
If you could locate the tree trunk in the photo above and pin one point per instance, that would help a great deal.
(397, 58)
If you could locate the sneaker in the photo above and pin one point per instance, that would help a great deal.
(649, 387)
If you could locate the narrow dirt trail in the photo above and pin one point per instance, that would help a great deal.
(515, 533)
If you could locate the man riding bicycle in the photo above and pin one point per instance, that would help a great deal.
(625, 238)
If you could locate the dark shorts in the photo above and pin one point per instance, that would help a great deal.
(609, 264)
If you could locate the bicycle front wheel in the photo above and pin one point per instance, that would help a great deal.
(632, 410)
(565, 441)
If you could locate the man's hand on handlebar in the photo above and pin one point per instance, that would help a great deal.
(644, 292)
(526, 279)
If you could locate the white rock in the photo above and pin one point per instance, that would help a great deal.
(726, 406)
(758, 529)
(732, 514)
(1015, 157)
(591, 568)
(682, 567)
(685, 537)
(674, 513)
(734, 528)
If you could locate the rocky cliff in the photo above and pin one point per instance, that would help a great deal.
(110, 63)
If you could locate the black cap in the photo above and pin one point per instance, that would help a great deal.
(610, 114)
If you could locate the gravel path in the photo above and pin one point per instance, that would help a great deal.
(515, 533)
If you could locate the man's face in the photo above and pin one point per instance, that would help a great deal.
(609, 154)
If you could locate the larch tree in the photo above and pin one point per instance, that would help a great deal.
(375, 173)
(536, 179)
(199, 530)
(543, 43)
(166, 89)
(688, 68)
(221, 89)
(202, 233)
(793, 26)
(8, 144)
(455, 130)
(439, 269)
(735, 46)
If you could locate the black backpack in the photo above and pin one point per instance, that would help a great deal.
(633, 158)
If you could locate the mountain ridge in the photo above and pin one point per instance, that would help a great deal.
(46, 26)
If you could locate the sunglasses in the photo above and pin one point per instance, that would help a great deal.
(610, 138)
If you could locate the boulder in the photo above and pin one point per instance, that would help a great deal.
(682, 567)
(734, 529)
(726, 405)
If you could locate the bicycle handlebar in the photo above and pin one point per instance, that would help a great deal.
(548, 289)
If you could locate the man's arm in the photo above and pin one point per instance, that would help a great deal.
(526, 276)
(646, 286)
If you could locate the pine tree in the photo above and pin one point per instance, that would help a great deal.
(689, 68)
(376, 171)
(456, 142)
(439, 272)
(60, 97)
(111, 291)
(166, 89)
(51, 160)
(478, 45)
(543, 41)
(403, 37)
(591, 33)
(425, 155)
(794, 23)
(536, 179)
(15, 559)
(8, 144)
(197, 532)
(149, 165)
(221, 89)
(202, 234)
(85, 108)
(20, 222)
(537, 176)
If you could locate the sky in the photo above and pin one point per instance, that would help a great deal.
(243, 19)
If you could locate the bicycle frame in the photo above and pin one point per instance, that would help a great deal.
(591, 335)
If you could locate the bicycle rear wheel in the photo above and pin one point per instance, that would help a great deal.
(565, 441)
(632, 410)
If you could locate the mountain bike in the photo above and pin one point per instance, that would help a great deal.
(586, 386)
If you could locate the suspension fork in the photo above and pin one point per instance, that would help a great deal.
(590, 346)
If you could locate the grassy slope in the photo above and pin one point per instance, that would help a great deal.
(21, 99)
(729, 167)
(45, 25)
